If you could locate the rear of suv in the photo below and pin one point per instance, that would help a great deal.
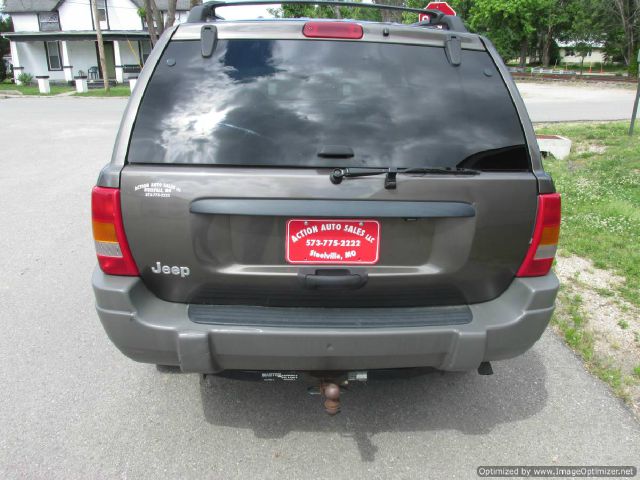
(309, 195)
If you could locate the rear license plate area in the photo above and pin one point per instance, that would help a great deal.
(335, 242)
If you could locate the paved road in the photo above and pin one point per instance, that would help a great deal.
(562, 102)
(73, 407)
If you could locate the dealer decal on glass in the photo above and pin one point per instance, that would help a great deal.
(333, 241)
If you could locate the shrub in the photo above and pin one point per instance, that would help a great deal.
(3, 71)
(25, 78)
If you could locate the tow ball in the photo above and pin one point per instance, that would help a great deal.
(330, 389)
(331, 394)
(330, 384)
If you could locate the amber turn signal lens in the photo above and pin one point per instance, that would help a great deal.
(104, 232)
(550, 235)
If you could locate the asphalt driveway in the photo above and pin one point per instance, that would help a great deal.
(72, 406)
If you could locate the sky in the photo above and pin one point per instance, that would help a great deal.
(245, 12)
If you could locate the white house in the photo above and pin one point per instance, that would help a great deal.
(569, 53)
(57, 38)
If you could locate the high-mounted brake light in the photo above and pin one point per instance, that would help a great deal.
(332, 30)
(112, 248)
(544, 243)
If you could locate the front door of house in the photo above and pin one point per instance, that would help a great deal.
(110, 59)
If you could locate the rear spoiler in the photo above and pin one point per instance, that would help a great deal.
(437, 19)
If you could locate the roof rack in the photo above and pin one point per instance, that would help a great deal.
(437, 19)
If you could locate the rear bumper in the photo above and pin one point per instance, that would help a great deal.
(151, 330)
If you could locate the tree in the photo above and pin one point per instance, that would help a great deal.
(152, 15)
(391, 15)
(612, 22)
(583, 49)
(103, 62)
(325, 11)
(587, 26)
(157, 16)
(6, 25)
(556, 21)
(147, 13)
(513, 25)
(171, 14)
(627, 12)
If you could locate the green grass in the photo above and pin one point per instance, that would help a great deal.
(601, 198)
(570, 321)
(600, 187)
(33, 89)
(604, 292)
(571, 324)
(118, 91)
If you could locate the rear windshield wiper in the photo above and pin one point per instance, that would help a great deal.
(338, 174)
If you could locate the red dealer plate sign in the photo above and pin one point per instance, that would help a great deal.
(333, 241)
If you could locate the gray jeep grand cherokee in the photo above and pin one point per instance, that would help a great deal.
(297, 195)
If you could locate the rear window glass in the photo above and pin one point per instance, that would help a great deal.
(279, 102)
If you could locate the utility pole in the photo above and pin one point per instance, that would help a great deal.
(103, 62)
(635, 104)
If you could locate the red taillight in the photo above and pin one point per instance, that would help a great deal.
(112, 248)
(332, 30)
(544, 243)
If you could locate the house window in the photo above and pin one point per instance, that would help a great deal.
(102, 10)
(49, 22)
(146, 27)
(54, 59)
